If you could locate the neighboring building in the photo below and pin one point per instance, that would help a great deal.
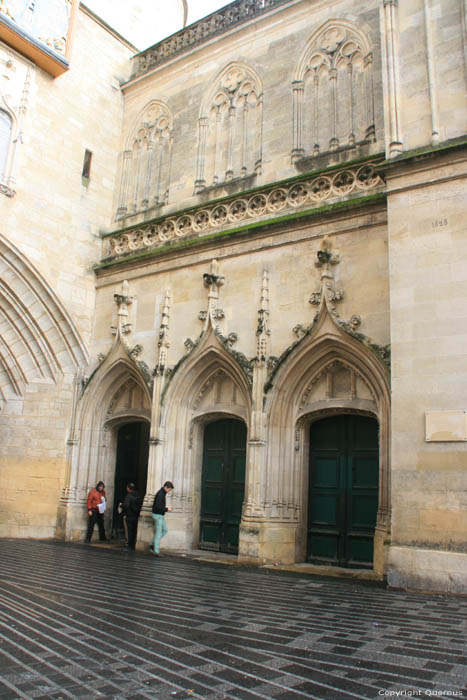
(273, 316)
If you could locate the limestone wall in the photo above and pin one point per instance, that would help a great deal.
(220, 146)
(433, 97)
(426, 113)
(194, 395)
(49, 240)
(428, 332)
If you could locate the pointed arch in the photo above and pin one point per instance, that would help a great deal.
(230, 127)
(209, 384)
(146, 161)
(116, 393)
(333, 91)
(38, 340)
(328, 371)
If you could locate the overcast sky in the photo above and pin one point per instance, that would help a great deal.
(145, 22)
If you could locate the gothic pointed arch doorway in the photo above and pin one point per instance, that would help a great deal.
(131, 465)
(343, 490)
(222, 484)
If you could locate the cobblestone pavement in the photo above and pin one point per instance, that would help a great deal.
(90, 622)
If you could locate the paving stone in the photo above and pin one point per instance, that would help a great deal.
(166, 634)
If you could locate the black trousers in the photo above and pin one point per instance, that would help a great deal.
(98, 518)
(132, 528)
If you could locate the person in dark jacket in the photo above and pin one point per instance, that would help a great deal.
(131, 507)
(159, 509)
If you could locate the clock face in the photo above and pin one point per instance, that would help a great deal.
(47, 20)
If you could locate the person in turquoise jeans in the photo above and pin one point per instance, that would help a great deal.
(159, 509)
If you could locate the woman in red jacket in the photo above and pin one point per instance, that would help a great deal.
(96, 507)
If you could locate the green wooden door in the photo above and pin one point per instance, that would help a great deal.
(343, 491)
(222, 485)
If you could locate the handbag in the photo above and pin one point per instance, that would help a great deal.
(101, 506)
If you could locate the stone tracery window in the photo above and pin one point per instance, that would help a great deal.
(145, 164)
(230, 129)
(333, 92)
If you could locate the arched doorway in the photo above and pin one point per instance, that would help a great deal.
(343, 491)
(131, 465)
(222, 485)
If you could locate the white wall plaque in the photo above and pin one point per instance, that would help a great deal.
(446, 426)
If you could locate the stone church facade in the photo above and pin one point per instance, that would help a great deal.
(257, 292)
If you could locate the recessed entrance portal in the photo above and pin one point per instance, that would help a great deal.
(131, 465)
(343, 491)
(222, 485)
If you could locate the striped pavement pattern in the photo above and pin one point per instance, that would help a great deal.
(94, 622)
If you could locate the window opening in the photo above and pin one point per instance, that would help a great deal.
(86, 174)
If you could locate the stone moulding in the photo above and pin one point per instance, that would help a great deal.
(261, 205)
(214, 24)
(7, 191)
(383, 352)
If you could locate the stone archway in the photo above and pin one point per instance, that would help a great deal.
(208, 385)
(116, 394)
(328, 371)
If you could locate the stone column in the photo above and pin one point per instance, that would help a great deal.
(351, 109)
(230, 145)
(203, 132)
(391, 75)
(259, 136)
(124, 183)
(244, 147)
(433, 88)
(370, 132)
(298, 87)
(253, 507)
(147, 182)
(463, 9)
(334, 141)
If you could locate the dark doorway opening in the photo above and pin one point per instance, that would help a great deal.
(343, 491)
(222, 485)
(131, 466)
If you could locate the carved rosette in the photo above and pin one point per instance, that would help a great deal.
(310, 193)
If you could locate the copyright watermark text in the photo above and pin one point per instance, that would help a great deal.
(420, 693)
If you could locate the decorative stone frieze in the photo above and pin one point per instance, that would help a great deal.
(217, 23)
(276, 200)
